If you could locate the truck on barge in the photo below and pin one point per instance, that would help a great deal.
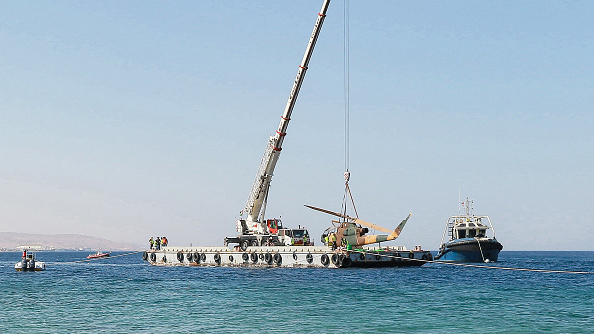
(264, 242)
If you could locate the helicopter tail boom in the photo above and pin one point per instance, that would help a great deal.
(398, 229)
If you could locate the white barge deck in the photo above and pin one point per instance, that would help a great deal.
(288, 256)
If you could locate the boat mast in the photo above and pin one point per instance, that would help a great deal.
(259, 193)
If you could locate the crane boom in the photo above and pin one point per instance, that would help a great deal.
(261, 185)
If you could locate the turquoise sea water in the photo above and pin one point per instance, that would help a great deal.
(125, 295)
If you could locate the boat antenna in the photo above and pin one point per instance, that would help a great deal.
(459, 202)
(468, 206)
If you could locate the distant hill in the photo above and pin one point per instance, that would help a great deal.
(11, 241)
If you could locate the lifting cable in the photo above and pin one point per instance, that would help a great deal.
(347, 174)
(346, 85)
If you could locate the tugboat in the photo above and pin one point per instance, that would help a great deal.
(98, 255)
(28, 263)
(468, 239)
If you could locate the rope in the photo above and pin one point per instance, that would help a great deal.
(479, 266)
(480, 248)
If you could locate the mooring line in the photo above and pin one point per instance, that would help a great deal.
(477, 266)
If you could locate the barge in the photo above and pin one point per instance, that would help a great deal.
(262, 242)
(288, 256)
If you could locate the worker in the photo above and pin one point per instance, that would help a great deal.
(333, 241)
(152, 242)
(164, 241)
(158, 243)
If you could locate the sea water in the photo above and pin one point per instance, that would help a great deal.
(126, 295)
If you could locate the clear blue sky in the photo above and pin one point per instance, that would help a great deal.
(127, 120)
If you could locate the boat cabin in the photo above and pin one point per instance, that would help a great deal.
(467, 228)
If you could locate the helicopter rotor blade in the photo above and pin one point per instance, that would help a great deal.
(372, 226)
(330, 212)
(355, 220)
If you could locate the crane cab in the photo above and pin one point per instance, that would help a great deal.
(274, 225)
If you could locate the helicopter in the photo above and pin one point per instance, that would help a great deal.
(350, 231)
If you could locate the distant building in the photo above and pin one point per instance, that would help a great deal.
(33, 247)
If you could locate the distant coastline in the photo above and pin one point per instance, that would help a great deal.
(12, 241)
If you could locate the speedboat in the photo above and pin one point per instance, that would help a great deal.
(468, 240)
(28, 263)
(97, 255)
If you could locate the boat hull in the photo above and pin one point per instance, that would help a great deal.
(97, 256)
(38, 266)
(470, 250)
(290, 256)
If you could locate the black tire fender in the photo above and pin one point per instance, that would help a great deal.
(180, 256)
(335, 259)
(325, 260)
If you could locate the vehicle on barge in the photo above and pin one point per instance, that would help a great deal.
(468, 240)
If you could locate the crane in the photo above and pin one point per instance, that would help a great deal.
(255, 229)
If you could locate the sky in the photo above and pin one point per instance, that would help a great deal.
(126, 120)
